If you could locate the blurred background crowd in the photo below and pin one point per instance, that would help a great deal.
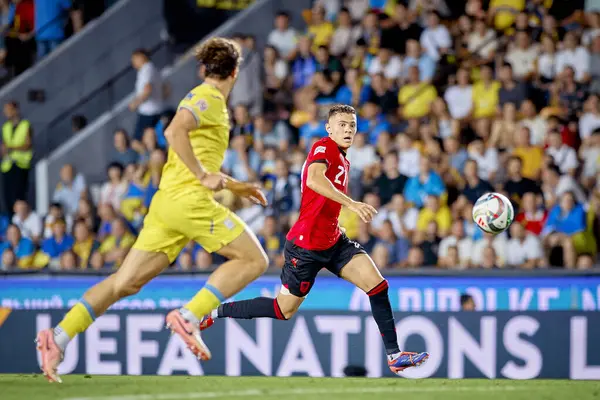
(454, 99)
(31, 29)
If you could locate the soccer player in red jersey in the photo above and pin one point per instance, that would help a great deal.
(316, 241)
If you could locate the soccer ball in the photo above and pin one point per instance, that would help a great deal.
(493, 213)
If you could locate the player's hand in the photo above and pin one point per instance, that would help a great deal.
(213, 181)
(364, 211)
(252, 192)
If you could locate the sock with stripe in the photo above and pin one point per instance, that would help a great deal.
(206, 300)
(260, 307)
(77, 320)
(382, 313)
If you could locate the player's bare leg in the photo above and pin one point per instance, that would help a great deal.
(247, 261)
(139, 267)
(362, 272)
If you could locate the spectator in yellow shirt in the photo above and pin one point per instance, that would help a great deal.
(350, 222)
(416, 97)
(434, 212)
(485, 95)
(504, 12)
(532, 157)
(116, 246)
(85, 244)
(319, 29)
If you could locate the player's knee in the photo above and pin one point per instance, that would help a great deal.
(123, 288)
(259, 263)
(288, 312)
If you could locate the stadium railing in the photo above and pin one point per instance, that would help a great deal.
(80, 66)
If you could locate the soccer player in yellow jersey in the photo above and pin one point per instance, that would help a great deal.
(183, 209)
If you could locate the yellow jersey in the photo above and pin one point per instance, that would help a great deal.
(485, 99)
(416, 99)
(209, 140)
(506, 12)
(443, 218)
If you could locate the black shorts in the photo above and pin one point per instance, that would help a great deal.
(302, 266)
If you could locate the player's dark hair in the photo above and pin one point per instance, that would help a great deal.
(220, 57)
(340, 109)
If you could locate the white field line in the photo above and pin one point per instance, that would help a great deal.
(279, 393)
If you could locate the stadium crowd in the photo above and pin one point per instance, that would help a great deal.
(502, 95)
(31, 29)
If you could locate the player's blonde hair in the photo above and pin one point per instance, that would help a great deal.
(220, 57)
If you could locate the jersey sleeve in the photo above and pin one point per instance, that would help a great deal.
(321, 153)
(196, 104)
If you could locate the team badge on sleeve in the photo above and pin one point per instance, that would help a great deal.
(320, 149)
(202, 105)
(189, 96)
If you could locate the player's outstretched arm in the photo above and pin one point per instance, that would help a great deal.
(317, 181)
(245, 189)
(178, 136)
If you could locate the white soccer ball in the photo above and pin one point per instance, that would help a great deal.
(493, 213)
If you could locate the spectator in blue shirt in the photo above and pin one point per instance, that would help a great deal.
(4, 224)
(427, 182)
(372, 122)
(352, 91)
(396, 249)
(160, 128)
(59, 242)
(304, 65)
(284, 195)
(314, 128)
(23, 248)
(49, 24)
(567, 217)
(122, 152)
(566, 228)
(241, 161)
(457, 156)
(70, 189)
(474, 186)
(416, 57)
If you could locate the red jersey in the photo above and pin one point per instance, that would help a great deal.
(533, 222)
(317, 227)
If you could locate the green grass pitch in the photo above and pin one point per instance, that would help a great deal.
(79, 387)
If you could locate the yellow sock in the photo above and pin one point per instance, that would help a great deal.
(206, 300)
(77, 319)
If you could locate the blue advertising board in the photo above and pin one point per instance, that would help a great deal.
(407, 293)
(462, 345)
